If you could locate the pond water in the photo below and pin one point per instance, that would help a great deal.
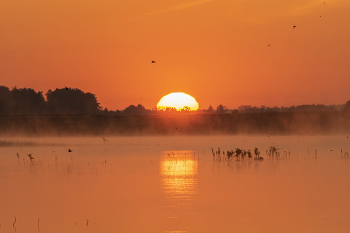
(174, 185)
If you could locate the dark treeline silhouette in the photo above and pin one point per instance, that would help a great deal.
(220, 109)
(299, 108)
(65, 101)
(69, 101)
(68, 111)
(138, 110)
(21, 102)
(346, 107)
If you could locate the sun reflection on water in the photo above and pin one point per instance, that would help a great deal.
(179, 175)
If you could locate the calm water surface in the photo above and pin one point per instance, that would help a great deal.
(174, 185)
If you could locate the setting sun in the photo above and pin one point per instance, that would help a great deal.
(178, 100)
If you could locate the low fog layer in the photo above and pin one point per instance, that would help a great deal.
(238, 123)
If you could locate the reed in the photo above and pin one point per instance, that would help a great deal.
(14, 224)
(273, 152)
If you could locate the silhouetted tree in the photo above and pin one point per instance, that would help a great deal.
(299, 108)
(220, 109)
(138, 110)
(71, 101)
(238, 153)
(6, 102)
(27, 101)
(310, 108)
(166, 111)
(210, 109)
(186, 109)
(347, 106)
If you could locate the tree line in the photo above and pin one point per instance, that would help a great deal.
(72, 101)
(64, 101)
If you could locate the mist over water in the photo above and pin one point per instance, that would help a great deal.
(174, 184)
(278, 123)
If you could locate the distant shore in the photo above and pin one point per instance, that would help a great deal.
(266, 123)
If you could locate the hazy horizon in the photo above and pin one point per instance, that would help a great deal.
(44, 96)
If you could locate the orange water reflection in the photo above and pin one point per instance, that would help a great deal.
(179, 175)
(179, 182)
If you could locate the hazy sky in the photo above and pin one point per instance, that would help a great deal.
(215, 50)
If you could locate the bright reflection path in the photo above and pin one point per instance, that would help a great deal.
(179, 172)
(179, 182)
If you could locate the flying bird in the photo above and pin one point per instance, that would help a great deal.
(153, 61)
(294, 27)
(69, 150)
(268, 45)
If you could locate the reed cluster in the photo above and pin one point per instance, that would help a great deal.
(237, 153)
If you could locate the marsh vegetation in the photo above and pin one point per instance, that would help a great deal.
(238, 154)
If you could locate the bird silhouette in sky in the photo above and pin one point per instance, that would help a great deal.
(294, 27)
(268, 45)
(153, 61)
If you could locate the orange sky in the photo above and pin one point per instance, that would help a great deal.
(214, 50)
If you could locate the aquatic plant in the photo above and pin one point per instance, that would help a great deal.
(249, 154)
(14, 224)
(273, 152)
(18, 158)
(257, 152)
(238, 153)
(218, 152)
(345, 155)
(244, 154)
(229, 154)
(31, 158)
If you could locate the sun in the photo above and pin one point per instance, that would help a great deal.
(178, 100)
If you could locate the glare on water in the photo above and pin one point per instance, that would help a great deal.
(174, 184)
(179, 174)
